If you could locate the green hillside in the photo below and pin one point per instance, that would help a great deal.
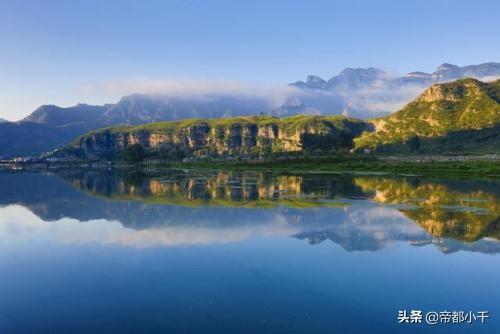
(452, 116)
(291, 124)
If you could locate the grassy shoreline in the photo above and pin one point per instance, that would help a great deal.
(479, 168)
(462, 169)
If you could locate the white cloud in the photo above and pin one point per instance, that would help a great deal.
(18, 225)
(489, 78)
(381, 98)
(275, 95)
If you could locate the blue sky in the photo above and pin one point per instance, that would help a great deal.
(65, 52)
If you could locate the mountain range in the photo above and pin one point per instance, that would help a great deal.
(358, 78)
(363, 93)
(454, 117)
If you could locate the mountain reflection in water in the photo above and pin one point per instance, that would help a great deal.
(179, 207)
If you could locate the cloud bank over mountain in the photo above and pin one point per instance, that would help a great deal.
(358, 92)
(371, 92)
(197, 88)
(374, 99)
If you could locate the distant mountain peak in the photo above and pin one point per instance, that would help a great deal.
(314, 79)
(349, 70)
(449, 72)
(354, 78)
(418, 74)
(312, 82)
(47, 106)
(447, 66)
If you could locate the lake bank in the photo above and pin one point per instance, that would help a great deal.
(439, 166)
(479, 168)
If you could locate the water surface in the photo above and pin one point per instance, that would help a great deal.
(214, 251)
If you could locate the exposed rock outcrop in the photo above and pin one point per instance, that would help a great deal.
(255, 135)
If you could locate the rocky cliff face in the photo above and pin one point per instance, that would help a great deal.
(222, 137)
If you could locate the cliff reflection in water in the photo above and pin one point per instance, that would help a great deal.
(190, 207)
(232, 189)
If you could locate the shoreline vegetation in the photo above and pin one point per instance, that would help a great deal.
(464, 168)
(438, 166)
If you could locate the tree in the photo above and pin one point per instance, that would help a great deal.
(178, 154)
(414, 143)
(133, 153)
(163, 153)
(328, 142)
(267, 151)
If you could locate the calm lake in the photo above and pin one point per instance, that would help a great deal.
(183, 251)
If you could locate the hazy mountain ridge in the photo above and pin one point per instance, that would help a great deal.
(81, 114)
(350, 78)
(28, 138)
(355, 78)
(50, 127)
(142, 108)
